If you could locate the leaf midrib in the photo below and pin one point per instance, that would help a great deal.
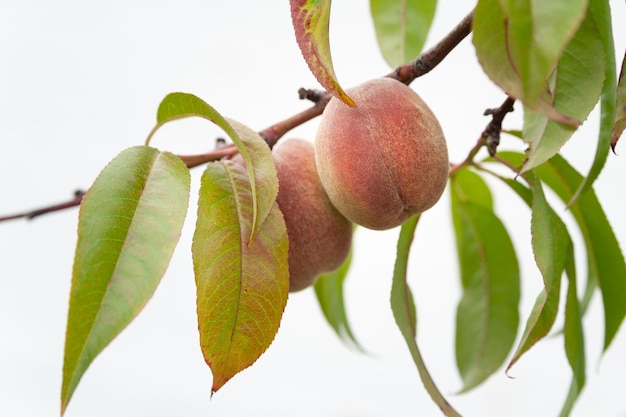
(113, 274)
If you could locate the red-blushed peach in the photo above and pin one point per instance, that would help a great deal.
(383, 160)
(319, 236)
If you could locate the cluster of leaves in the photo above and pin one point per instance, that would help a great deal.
(556, 58)
(129, 223)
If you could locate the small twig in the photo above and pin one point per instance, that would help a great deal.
(312, 95)
(432, 57)
(276, 131)
(511, 167)
(469, 159)
(78, 197)
(490, 137)
(224, 151)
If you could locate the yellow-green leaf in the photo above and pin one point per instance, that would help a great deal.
(254, 150)
(310, 21)
(242, 284)
(129, 223)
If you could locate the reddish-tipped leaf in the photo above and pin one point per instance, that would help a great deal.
(253, 149)
(620, 108)
(310, 21)
(242, 284)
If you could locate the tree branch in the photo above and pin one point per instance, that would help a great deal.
(432, 57)
(78, 197)
(404, 73)
(276, 131)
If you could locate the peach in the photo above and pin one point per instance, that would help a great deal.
(383, 160)
(319, 236)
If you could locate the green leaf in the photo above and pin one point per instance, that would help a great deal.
(129, 223)
(487, 316)
(254, 150)
(514, 132)
(577, 86)
(605, 261)
(574, 337)
(403, 308)
(401, 27)
(491, 43)
(551, 245)
(537, 32)
(601, 13)
(521, 190)
(620, 107)
(310, 21)
(329, 292)
(469, 186)
(242, 285)
(554, 253)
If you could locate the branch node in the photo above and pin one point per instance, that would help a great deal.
(493, 129)
(421, 65)
(309, 94)
(220, 143)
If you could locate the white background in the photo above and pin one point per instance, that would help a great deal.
(79, 83)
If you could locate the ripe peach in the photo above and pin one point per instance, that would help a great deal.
(319, 236)
(383, 160)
